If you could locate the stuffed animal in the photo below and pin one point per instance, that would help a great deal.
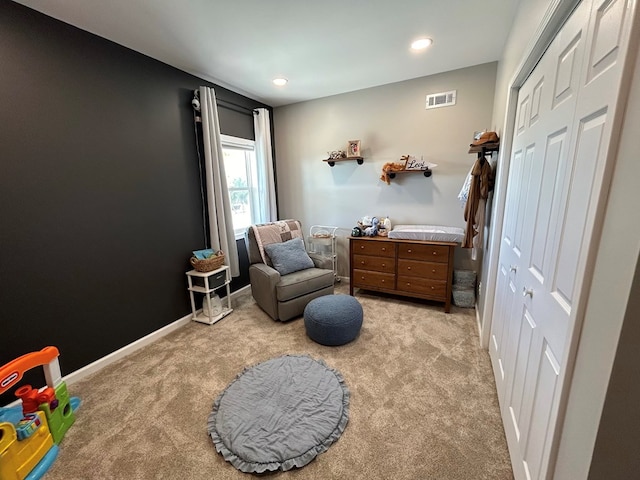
(372, 231)
(390, 167)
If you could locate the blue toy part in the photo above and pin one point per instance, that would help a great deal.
(43, 465)
(29, 424)
(11, 414)
(75, 403)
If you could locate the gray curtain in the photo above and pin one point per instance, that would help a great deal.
(220, 223)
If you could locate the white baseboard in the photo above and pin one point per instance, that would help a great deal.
(479, 323)
(138, 344)
(124, 351)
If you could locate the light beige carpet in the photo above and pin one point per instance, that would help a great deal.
(423, 401)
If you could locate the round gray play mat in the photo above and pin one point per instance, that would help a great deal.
(279, 414)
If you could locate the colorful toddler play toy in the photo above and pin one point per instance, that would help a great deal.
(30, 432)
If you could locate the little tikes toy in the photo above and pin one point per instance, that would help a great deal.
(30, 433)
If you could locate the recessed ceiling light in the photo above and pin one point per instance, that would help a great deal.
(280, 81)
(421, 44)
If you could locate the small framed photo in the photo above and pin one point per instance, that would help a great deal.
(353, 148)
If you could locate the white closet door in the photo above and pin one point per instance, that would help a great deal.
(561, 140)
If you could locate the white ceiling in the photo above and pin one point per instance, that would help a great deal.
(323, 47)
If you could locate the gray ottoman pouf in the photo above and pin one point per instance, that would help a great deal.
(333, 319)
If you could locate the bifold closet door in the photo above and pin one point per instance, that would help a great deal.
(557, 169)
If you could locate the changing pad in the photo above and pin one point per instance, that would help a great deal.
(434, 233)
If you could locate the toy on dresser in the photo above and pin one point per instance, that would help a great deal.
(371, 227)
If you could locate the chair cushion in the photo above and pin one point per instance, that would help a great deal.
(303, 282)
(288, 257)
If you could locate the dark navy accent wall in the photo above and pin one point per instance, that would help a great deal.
(100, 202)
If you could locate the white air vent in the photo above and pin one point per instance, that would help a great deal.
(444, 99)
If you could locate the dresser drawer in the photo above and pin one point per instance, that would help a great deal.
(423, 286)
(430, 270)
(376, 248)
(380, 264)
(431, 253)
(366, 278)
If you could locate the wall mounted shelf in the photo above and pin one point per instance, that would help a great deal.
(486, 148)
(332, 161)
(426, 173)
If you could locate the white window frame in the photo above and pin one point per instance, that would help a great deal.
(230, 142)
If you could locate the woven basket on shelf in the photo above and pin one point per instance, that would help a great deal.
(208, 264)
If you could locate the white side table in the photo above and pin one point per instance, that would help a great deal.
(199, 282)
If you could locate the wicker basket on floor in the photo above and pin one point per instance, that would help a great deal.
(208, 264)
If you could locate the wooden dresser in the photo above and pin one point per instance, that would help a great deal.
(402, 267)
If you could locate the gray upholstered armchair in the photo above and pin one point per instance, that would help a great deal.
(283, 276)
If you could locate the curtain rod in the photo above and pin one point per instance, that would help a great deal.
(235, 107)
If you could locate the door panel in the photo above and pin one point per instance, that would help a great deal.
(609, 23)
(552, 167)
(546, 381)
(573, 221)
(518, 392)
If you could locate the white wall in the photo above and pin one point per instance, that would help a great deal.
(391, 121)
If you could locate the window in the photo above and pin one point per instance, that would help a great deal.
(240, 167)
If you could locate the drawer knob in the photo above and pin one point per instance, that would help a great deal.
(433, 271)
(362, 262)
(408, 268)
(409, 250)
(361, 278)
(383, 280)
(384, 249)
(435, 253)
(362, 246)
(384, 264)
(432, 287)
(408, 284)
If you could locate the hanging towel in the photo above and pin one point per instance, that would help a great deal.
(464, 191)
(480, 186)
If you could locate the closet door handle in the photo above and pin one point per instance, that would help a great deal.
(527, 291)
(513, 268)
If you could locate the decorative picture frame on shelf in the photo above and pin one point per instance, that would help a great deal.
(353, 149)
